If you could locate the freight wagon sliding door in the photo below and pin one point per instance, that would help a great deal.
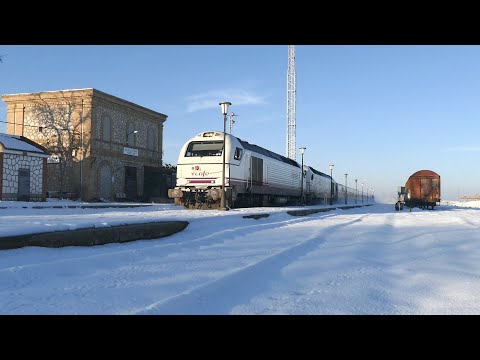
(435, 190)
(425, 189)
(429, 189)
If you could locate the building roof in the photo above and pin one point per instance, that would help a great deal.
(49, 91)
(25, 97)
(20, 143)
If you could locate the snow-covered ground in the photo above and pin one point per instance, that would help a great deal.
(370, 260)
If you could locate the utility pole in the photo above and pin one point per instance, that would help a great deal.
(356, 191)
(224, 105)
(331, 183)
(346, 189)
(302, 150)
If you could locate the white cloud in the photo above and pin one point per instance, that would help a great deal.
(210, 99)
(464, 149)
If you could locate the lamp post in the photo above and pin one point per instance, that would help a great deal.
(367, 195)
(224, 105)
(302, 150)
(331, 183)
(356, 192)
(362, 193)
(373, 195)
(346, 189)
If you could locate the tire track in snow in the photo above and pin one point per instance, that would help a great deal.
(139, 250)
(220, 295)
(75, 282)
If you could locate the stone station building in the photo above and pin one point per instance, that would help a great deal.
(103, 147)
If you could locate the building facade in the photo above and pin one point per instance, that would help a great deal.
(23, 169)
(103, 147)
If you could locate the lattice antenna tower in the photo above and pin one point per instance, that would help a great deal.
(232, 121)
(291, 104)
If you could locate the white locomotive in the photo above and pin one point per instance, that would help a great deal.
(254, 176)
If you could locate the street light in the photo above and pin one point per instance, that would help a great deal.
(367, 196)
(331, 183)
(302, 150)
(356, 191)
(224, 105)
(362, 193)
(346, 189)
(373, 195)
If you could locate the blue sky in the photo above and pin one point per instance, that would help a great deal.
(379, 113)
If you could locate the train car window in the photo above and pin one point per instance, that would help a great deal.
(204, 148)
(312, 177)
(238, 154)
(304, 173)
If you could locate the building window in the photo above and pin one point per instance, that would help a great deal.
(151, 139)
(130, 134)
(106, 128)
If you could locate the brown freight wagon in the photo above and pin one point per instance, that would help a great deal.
(423, 189)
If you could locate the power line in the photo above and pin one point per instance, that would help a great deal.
(34, 126)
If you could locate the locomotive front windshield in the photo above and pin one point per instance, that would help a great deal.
(204, 148)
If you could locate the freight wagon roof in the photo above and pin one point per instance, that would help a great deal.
(268, 153)
(425, 173)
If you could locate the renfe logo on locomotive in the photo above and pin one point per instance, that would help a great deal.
(197, 172)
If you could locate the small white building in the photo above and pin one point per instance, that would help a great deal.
(23, 169)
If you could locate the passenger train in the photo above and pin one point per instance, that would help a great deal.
(254, 176)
